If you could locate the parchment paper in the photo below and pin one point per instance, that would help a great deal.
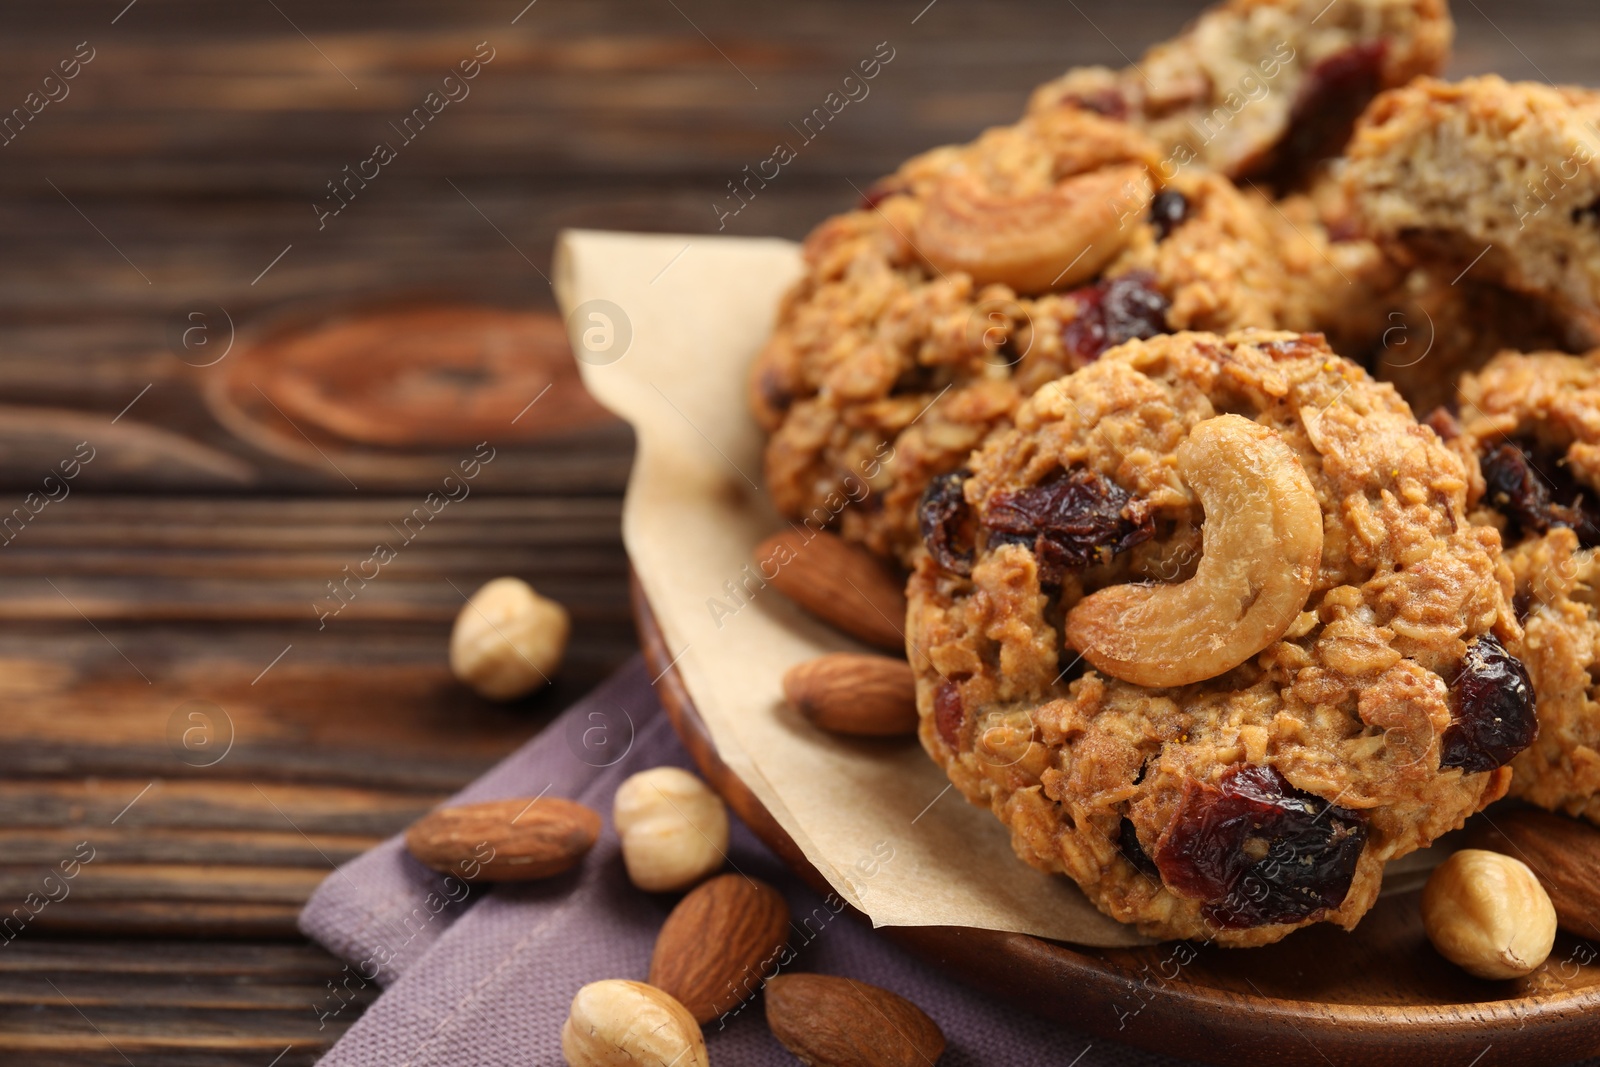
(878, 819)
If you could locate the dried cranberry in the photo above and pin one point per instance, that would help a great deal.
(775, 391)
(878, 192)
(1071, 519)
(1133, 852)
(1443, 423)
(1113, 311)
(1258, 851)
(1303, 346)
(1525, 489)
(1108, 101)
(1493, 709)
(946, 522)
(948, 712)
(1167, 212)
(1336, 90)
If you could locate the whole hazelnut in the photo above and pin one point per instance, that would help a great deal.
(617, 1023)
(1488, 914)
(674, 829)
(508, 640)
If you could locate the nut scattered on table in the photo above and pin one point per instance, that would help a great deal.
(1488, 914)
(839, 1022)
(840, 583)
(719, 944)
(508, 640)
(1562, 852)
(674, 829)
(505, 840)
(1263, 544)
(847, 693)
(617, 1023)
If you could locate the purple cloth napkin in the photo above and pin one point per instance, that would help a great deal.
(485, 978)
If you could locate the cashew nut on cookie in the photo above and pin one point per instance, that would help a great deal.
(1055, 239)
(1262, 548)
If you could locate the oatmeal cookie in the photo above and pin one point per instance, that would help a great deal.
(982, 271)
(1265, 87)
(1533, 424)
(1209, 631)
(1496, 177)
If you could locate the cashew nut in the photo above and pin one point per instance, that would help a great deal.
(1262, 549)
(1055, 239)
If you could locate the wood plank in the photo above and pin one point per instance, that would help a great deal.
(197, 920)
(98, 881)
(241, 960)
(273, 993)
(92, 803)
(45, 847)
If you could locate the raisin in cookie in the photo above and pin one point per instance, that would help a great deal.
(1533, 423)
(982, 271)
(1265, 87)
(1494, 180)
(1210, 632)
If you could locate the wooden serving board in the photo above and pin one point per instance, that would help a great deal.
(1377, 997)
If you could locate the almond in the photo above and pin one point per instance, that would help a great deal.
(839, 1022)
(718, 943)
(505, 840)
(1563, 853)
(847, 693)
(840, 583)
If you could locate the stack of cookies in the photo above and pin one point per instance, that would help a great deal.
(1247, 550)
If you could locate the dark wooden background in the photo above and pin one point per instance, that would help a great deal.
(184, 161)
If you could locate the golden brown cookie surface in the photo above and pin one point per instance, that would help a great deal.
(913, 336)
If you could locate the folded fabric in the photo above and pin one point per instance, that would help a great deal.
(383, 909)
(485, 978)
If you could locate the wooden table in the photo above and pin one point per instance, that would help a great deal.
(180, 172)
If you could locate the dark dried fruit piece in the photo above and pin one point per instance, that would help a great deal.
(946, 522)
(1258, 851)
(1132, 851)
(1493, 710)
(1442, 422)
(1167, 212)
(776, 395)
(1525, 486)
(1113, 311)
(948, 712)
(1070, 520)
(1336, 90)
(879, 191)
(1108, 101)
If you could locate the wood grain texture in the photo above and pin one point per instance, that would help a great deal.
(179, 176)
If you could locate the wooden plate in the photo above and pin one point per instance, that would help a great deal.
(1377, 997)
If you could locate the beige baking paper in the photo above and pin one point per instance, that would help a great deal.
(698, 309)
